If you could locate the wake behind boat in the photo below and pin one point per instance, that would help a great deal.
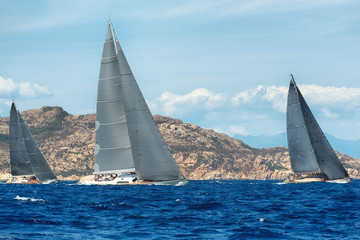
(28, 164)
(129, 148)
(311, 155)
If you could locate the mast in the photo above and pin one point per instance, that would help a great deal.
(113, 151)
(19, 159)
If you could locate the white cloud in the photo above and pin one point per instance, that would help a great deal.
(200, 98)
(260, 110)
(275, 95)
(27, 89)
(8, 88)
(233, 130)
(261, 97)
(327, 113)
(331, 96)
(346, 98)
(237, 129)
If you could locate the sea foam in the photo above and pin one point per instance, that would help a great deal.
(28, 199)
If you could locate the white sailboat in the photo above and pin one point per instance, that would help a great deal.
(311, 155)
(129, 148)
(28, 164)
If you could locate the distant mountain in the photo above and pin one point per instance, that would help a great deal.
(348, 147)
(264, 141)
(68, 143)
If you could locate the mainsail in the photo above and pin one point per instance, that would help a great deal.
(136, 135)
(19, 159)
(309, 149)
(113, 152)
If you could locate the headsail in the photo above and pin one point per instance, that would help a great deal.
(326, 159)
(19, 159)
(39, 164)
(150, 154)
(113, 152)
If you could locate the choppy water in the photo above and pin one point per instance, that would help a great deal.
(201, 210)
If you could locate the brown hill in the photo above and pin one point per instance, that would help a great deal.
(67, 142)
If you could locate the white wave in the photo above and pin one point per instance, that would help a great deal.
(280, 183)
(28, 199)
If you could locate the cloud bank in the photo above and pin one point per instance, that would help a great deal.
(262, 96)
(261, 110)
(198, 99)
(8, 88)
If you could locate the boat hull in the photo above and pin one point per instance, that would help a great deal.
(31, 181)
(90, 180)
(305, 180)
(314, 177)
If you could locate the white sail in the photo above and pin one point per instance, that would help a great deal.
(25, 155)
(309, 149)
(113, 152)
(126, 134)
(19, 158)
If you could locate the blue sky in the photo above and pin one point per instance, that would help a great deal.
(223, 65)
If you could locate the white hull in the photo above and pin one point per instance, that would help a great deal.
(130, 180)
(108, 180)
(308, 180)
(23, 180)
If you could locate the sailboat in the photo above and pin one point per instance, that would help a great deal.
(129, 148)
(28, 164)
(311, 155)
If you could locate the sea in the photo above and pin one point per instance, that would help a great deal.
(229, 209)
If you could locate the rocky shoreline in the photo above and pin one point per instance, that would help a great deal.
(67, 142)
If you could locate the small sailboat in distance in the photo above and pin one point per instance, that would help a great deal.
(311, 155)
(129, 148)
(28, 164)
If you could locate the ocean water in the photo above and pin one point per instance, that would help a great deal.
(235, 209)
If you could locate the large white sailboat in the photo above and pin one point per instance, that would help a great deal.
(28, 164)
(311, 155)
(129, 148)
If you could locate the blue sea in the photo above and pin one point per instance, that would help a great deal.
(235, 209)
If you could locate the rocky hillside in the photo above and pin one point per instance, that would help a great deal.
(67, 142)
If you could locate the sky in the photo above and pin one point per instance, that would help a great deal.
(223, 65)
